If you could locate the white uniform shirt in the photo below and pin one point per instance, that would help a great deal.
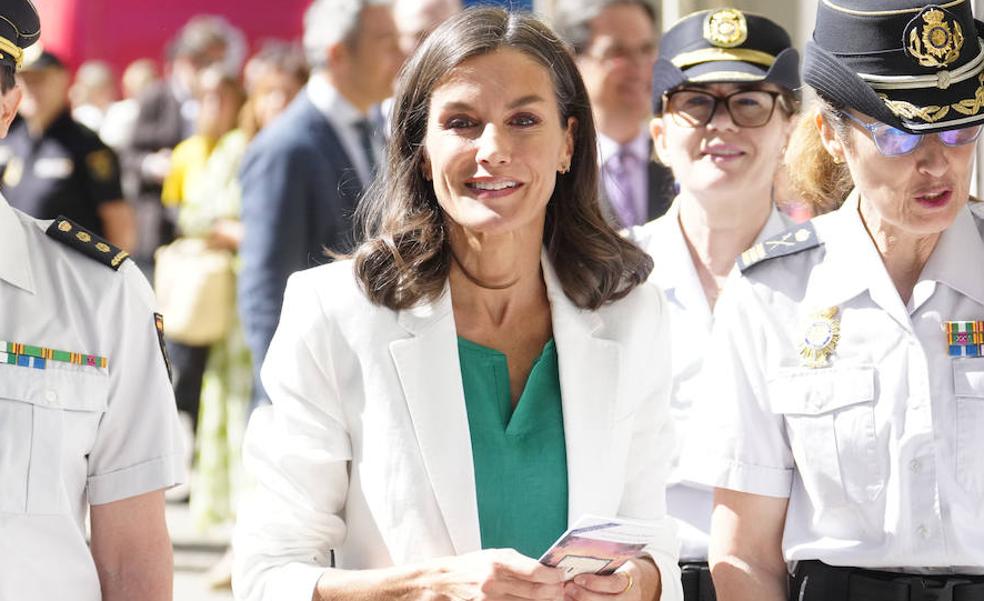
(73, 435)
(690, 325)
(881, 453)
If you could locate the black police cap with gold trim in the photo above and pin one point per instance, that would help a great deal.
(912, 64)
(724, 45)
(20, 27)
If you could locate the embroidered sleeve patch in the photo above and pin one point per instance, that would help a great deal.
(159, 324)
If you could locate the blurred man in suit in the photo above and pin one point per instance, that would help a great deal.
(415, 19)
(302, 176)
(616, 46)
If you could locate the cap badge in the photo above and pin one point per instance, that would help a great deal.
(820, 339)
(934, 38)
(726, 28)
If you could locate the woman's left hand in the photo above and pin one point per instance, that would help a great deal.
(637, 580)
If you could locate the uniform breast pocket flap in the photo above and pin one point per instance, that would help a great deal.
(968, 388)
(968, 377)
(818, 391)
(830, 421)
(48, 417)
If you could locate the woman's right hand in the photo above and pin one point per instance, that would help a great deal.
(491, 575)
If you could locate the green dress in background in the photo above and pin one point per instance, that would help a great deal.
(519, 456)
(227, 383)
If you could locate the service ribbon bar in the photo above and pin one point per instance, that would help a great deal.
(25, 355)
(965, 338)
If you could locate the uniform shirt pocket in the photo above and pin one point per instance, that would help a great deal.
(830, 421)
(968, 388)
(49, 419)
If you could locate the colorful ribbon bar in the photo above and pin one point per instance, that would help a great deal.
(965, 338)
(25, 355)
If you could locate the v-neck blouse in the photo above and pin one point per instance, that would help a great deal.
(519, 455)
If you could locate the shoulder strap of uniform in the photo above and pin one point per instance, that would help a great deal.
(794, 240)
(74, 235)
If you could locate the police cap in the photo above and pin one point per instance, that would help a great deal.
(911, 64)
(20, 27)
(41, 61)
(724, 45)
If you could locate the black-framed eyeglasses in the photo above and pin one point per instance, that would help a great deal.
(696, 108)
(893, 142)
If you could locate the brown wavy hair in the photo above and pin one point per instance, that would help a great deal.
(405, 255)
(820, 181)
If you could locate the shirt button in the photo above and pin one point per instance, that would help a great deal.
(915, 466)
(923, 531)
(50, 396)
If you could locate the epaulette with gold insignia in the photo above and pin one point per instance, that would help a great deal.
(800, 238)
(74, 235)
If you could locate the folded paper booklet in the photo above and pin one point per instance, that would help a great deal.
(597, 545)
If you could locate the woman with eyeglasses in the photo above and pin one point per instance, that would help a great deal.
(725, 98)
(846, 362)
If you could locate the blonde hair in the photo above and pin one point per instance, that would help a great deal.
(820, 181)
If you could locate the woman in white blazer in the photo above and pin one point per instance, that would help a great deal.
(489, 282)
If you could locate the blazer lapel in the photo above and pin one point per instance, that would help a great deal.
(430, 375)
(589, 384)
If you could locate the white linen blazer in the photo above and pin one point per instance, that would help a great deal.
(366, 454)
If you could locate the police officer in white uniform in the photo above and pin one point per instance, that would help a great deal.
(847, 368)
(725, 95)
(87, 416)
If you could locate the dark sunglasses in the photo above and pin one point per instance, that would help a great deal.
(892, 142)
(696, 108)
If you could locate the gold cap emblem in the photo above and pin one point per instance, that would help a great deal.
(934, 38)
(820, 339)
(726, 28)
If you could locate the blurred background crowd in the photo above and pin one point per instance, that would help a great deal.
(227, 149)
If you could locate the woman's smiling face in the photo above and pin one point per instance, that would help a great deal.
(495, 141)
(722, 157)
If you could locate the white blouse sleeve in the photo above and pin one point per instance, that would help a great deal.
(298, 452)
(651, 453)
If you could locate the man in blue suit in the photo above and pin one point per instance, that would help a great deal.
(303, 175)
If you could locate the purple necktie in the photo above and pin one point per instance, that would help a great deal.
(622, 193)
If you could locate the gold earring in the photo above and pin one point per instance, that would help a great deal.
(565, 169)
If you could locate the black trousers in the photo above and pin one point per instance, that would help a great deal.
(188, 368)
(816, 581)
(697, 583)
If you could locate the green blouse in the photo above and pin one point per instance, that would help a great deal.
(519, 456)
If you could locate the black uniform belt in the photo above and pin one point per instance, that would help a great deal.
(816, 581)
(697, 583)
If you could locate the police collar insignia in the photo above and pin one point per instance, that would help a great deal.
(820, 339)
(802, 237)
(726, 28)
(965, 338)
